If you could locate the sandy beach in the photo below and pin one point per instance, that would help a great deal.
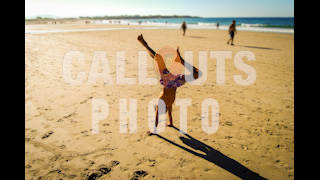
(255, 138)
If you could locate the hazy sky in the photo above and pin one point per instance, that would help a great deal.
(202, 8)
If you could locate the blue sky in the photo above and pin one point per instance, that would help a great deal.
(202, 8)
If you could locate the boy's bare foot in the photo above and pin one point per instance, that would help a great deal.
(178, 52)
(179, 55)
(141, 40)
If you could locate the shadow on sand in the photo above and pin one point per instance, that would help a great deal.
(257, 47)
(215, 157)
(198, 37)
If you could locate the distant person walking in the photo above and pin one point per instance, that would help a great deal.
(218, 25)
(184, 27)
(232, 30)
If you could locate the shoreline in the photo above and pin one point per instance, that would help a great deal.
(136, 25)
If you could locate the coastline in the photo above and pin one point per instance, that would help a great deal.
(174, 24)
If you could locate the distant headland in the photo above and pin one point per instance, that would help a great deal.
(51, 17)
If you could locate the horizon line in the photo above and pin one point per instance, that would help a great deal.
(123, 15)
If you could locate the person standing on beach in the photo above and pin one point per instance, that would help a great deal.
(184, 27)
(217, 25)
(232, 30)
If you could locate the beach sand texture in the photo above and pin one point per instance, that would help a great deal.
(255, 138)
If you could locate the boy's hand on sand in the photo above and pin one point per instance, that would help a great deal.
(169, 124)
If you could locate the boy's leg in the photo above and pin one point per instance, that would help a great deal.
(229, 40)
(232, 37)
(157, 116)
(194, 69)
(170, 124)
(144, 43)
(156, 123)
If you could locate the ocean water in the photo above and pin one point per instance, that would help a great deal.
(276, 25)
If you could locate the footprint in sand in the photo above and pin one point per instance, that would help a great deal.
(46, 135)
(54, 174)
(138, 174)
(86, 100)
(228, 123)
(97, 173)
(100, 171)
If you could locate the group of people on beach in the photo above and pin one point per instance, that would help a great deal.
(170, 81)
(232, 30)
